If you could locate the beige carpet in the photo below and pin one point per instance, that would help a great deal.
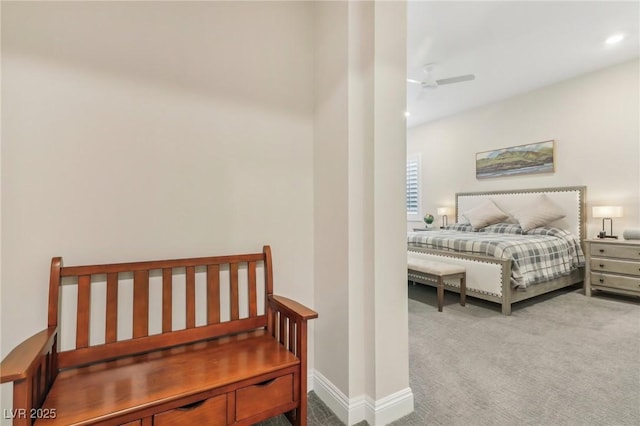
(562, 359)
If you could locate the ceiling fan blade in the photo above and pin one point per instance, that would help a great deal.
(410, 80)
(458, 79)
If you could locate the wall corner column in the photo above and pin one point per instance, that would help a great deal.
(362, 354)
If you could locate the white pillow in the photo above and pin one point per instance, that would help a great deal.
(541, 212)
(485, 213)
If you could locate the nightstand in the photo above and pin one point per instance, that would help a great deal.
(613, 266)
(423, 229)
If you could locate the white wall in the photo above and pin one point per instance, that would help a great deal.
(147, 130)
(166, 129)
(594, 120)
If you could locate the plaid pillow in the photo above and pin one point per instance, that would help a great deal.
(464, 227)
(503, 228)
(548, 230)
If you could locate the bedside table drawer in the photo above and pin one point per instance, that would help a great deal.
(617, 266)
(610, 250)
(615, 281)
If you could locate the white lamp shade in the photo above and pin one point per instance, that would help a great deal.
(442, 211)
(607, 211)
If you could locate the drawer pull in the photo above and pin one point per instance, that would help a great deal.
(266, 382)
(191, 406)
(601, 250)
(601, 280)
(601, 265)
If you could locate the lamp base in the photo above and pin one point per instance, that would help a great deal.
(603, 234)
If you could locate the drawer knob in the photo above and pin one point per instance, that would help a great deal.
(601, 265)
(601, 280)
(601, 250)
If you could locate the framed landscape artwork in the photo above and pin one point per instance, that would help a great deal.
(516, 160)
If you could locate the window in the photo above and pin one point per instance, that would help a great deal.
(413, 187)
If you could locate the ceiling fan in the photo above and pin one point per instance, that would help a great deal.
(430, 82)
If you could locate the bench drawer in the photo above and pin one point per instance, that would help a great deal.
(263, 396)
(212, 411)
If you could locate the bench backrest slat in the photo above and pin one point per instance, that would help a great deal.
(191, 296)
(111, 331)
(233, 303)
(167, 300)
(140, 304)
(253, 296)
(111, 296)
(83, 311)
(213, 294)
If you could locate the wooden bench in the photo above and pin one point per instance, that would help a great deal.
(425, 270)
(236, 356)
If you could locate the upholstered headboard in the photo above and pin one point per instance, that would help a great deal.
(570, 198)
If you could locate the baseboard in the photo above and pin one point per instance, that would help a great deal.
(354, 410)
(389, 408)
(309, 380)
(332, 396)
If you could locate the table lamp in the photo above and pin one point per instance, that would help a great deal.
(607, 213)
(443, 211)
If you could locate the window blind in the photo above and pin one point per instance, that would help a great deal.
(413, 186)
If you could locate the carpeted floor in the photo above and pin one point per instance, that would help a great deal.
(562, 359)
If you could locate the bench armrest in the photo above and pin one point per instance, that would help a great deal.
(25, 358)
(293, 308)
(287, 323)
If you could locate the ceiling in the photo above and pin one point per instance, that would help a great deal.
(512, 47)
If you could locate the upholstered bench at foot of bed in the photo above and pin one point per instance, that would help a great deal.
(437, 272)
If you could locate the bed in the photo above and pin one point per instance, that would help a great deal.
(497, 270)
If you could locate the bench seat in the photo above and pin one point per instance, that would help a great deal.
(434, 271)
(109, 390)
(431, 267)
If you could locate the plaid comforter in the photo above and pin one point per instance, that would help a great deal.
(534, 258)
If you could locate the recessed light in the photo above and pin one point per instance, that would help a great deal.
(616, 38)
